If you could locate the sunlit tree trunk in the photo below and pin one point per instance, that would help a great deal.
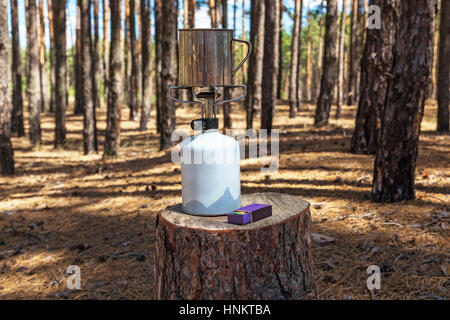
(52, 57)
(112, 139)
(376, 66)
(191, 13)
(89, 125)
(6, 150)
(280, 52)
(254, 81)
(158, 61)
(319, 61)
(330, 66)
(294, 60)
(17, 111)
(43, 75)
(397, 148)
(96, 70)
(33, 83)
(79, 104)
(105, 53)
(270, 63)
(168, 70)
(146, 103)
(299, 86)
(308, 60)
(59, 25)
(341, 61)
(226, 106)
(444, 68)
(133, 79)
(353, 67)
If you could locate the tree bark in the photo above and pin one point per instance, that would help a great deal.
(191, 13)
(146, 104)
(59, 25)
(6, 149)
(330, 65)
(212, 13)
(280, 52)
(308, 60)
(133, 84)
(341, 61)
(79, 104)
(208, 259)
(226, 93)
(168, 71)
(353, 67)
(89, 125)
(43, 75)
(52, 57)
(96, 70)
(443, 94)
(397, 149)
(270, 63)
(376, 67)
(105, 52)
(298, 88)
(294, 60)
(253, 98)
(17, 112)
(112, 139)
(158, 62)
(33, 83)
(319, 63)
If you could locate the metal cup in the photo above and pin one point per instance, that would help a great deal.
(206, 57)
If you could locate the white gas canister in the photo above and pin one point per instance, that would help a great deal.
(210, 174)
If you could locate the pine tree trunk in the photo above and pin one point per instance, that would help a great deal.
(376, 67)
(308, 60)
(59, 25)
(112, 139)
(126, 56)
(212, 13)
(52, 57)
(341, 47)
(33, 83)
(6, 150)
(244, 37)
(96, 71)
(270, 63)
(253, 98)
(168, 70)
(353, 67)
(79, 104)
(280, 52)
(226, 93)
(146, 104)
(133, 84)
(158, 62)
(299, 86)
(105, 52)
(330, 66)
(397, 149)
(43, 75)
(89, 126)
(17, 112)
(319, 64)
(191, 13)
(443, 94)
(294, 60)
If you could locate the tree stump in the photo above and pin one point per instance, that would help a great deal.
(207, 258)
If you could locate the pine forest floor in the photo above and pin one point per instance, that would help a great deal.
(63, 208)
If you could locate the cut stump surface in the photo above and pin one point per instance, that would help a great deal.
(207, 258)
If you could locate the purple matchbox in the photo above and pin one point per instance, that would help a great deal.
(250, 213)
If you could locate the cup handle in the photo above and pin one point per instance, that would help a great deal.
(249, 52)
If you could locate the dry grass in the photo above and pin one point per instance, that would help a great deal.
(63, 208)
